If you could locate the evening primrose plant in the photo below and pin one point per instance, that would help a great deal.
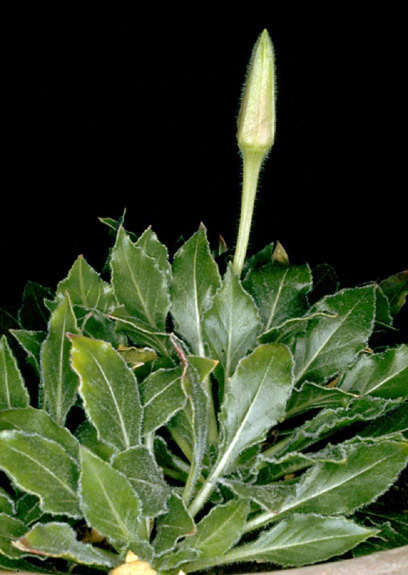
(202, 413)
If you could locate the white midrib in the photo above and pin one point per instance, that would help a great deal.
(244, 553)
(266, 517)
(319, 350)
(395, 374)
(224, 459)
(112, 507)
(163, 390)
(121, 422)
(275, 303)
(46, 469)
(137, 288)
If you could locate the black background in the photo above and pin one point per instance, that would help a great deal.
(112, 110)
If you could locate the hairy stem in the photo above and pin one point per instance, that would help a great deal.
(252, 162)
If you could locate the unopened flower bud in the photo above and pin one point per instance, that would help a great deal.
(256, 122)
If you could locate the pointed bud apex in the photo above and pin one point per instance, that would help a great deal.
(256, 122)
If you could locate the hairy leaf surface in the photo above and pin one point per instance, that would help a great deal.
(109, 390)
(41, 467)
(13, 392)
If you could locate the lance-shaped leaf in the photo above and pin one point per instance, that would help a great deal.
(303, 539)
(59, 540)
(328, 421)
(162, 397)
(198, 415)
(41, 467)
(139, 283)
(150, 243)
(255, 400)
(6, 502)
(10, 528)
(195, 281)
(382, 374)
(31, 342)
(279, 292)
(86, 288)
(60, 383)
(146, 478)
(312, 396)
(173, 525)
(13, 392)
(331, 343)
(394, 422)
(31, 420)
(232, 324)
(108, 501)
(218, 531)
(109, 390)
(367, 470)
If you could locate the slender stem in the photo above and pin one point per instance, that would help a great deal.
(252, 162)
(261, 520)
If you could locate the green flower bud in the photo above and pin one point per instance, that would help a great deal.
(256, 122)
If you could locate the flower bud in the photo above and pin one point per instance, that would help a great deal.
(256, 122)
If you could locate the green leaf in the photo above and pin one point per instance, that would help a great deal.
(150, 243)
(86, 288)
(383, 316)
(139, 283)
(109, 390)
(303, 539)
(329, 421)
(88, 436)
(13, 392)
(173, 525)
(31, 342)
(10, 528)
(289, 329)
(264, 256)
(231, 325)
(331, 343)
(279, 292)
(60, 383)
(6, 503)
(381, 374)
(312, 396)
(28, 508)
(146, 478)
(268, 497)
(137, 356)
(387, 538)
(204, 366)
(31, 420)
(59, 540)
(197, 412)
(162, 397)
(394, 422)
(108, 501)
(255, 400)
(140, 333)
(33, 313)
(366, 471)
(41, 467)
(195, 281)
(396, 290)
(220, 530)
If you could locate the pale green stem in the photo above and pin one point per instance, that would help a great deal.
(252, 162)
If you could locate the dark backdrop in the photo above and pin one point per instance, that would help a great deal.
(113, 110)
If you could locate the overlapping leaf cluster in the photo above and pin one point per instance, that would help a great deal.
(196, 418)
